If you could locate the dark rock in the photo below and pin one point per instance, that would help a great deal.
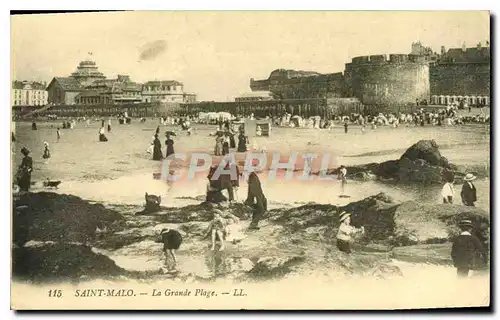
(387, 169)
(61, 262)
(270, 267)
(200, 212)
(419, 171)
(375, 213)
(59, 217)
(427, 150)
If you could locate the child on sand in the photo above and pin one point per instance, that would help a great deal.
(217, 228)
(171, 240)
(345, 233)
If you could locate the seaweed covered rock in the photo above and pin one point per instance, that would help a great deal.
(422, 162)
(47, 216)
(269, 267)
(427, 150)
(200, 212)
(376, 214)
(61, 262)
(420, 171)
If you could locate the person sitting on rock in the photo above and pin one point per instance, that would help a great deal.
(345, 233)
(172, 241)
(467, 250)
(216, 228)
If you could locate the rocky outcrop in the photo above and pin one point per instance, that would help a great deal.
(290, 240)
(421, 163)
(385, 221)
(47, 216)
(201, 212)
(61, 262)
(428, 151)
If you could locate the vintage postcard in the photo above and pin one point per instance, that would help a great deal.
(250, 160)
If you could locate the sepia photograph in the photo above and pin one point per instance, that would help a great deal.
(256, 160)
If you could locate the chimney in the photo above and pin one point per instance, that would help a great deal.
(443, 50)
(464, 48)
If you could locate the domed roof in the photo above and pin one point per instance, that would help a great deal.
(87, 69)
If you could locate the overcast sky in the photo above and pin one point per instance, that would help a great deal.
(216, 53)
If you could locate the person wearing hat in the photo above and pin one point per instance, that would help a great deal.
(345, 233)
(467, 250)
(24, 171)
(469, 190)
(46, 151)
(169, 143)
(172, 241)
(157, 154)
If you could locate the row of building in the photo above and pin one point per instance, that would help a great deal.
(394, 79)
(88, 86)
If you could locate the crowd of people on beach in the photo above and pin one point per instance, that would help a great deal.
(465, 248)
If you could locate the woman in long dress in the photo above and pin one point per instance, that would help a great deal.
(46, 151)
(218, 145)
(170, 146)
(232, 142)
(242, 142)
(225, 144)
(157, 154)
(24, 171)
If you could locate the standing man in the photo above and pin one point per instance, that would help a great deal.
(469, 190)
(467, 250)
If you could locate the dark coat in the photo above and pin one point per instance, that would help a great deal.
(467, 252)
(171, 239)
(170, 147)
(24, 173)
(242, 143)
(468, 194)
(157, 154)
(255, 197)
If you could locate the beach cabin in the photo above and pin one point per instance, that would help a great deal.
(250, 127)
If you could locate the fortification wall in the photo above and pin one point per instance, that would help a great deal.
(302, 87)
(468, 79)
(395, 79)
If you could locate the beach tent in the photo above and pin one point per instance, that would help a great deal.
(224, 115)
